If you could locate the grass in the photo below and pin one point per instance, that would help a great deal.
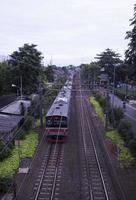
(38, 123)
(9, 166)
(124, 154)
(98, 108)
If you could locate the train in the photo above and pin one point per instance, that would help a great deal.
(57, 117)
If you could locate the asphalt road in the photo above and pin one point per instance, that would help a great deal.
(130, 110)
(5, 100)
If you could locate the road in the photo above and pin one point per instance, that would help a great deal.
(5, 100)
(130, 110)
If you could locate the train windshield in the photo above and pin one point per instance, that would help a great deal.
(56, 121)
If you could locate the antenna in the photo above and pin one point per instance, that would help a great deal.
(51, 61)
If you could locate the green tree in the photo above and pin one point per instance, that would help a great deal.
(26, 62)
(90, 72)
(49, 73)
(5, 78)
(130, 54)
(108, 59)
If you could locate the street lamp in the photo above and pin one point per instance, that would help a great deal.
(20, 88)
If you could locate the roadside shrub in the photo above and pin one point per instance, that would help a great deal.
(132, 146)
(4, 153)
(125, 131)
(20, 135)
(97, 108)
(28, 124)
(124, 127)
(115, 116)
(101, 100)
(5, 183)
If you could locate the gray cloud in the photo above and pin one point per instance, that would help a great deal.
(72, 31)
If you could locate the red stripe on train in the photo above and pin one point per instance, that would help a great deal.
(56, 130)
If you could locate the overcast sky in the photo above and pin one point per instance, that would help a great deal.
(71, 31)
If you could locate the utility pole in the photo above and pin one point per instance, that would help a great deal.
(107, 105)
(40, 106)
(21, 86)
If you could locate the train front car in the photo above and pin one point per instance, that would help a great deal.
(56, 128)
(57, 118)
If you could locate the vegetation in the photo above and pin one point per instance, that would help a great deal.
(115, 115)
(4, 152)
(97, 108)
(107, 60)
(26, 63)
(5, 78)
(124, 93)
(130, 54)
(101, 99)
(9, 165)
(125, 130)
(124, 136)
(124, 154)
(90, 72)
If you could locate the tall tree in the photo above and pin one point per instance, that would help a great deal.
(26, 63)
(5, 78)
(130, 54)
(107, 60)
(90, 72)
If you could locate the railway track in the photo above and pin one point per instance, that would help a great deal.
(95, 180)
(48, 181)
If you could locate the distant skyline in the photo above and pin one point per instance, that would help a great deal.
(69, 31)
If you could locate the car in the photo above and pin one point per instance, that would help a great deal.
(132, 101)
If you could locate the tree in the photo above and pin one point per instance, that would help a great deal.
(130, 54)
(49, 73)
(5, 78)
(26, 62)
(90, 72)
(107, 60)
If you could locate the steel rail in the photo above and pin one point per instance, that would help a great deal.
(85, 150)
(96, 155)
(43, 173)
(108, 156)
(95, 152)
(46, 165)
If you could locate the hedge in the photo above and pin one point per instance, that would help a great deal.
(124, 153)
(97, 108)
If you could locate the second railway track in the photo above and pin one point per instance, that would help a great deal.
(95, 179)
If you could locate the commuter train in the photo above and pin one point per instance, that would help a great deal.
(57, 117)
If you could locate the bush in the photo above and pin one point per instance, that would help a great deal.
(5, 183)
(97, 108)
(125, 131)
(124, 153)
(132, 146)
(101, 100)
(9, 166)
(4, 153)
(20, 135)
(115, 116)
(28, 124)
(124, 127)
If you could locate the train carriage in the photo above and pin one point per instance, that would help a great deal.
(57, 118)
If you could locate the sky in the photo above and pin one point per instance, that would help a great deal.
(69, 31)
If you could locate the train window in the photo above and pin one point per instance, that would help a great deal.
(55, 122)
(49, 123)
